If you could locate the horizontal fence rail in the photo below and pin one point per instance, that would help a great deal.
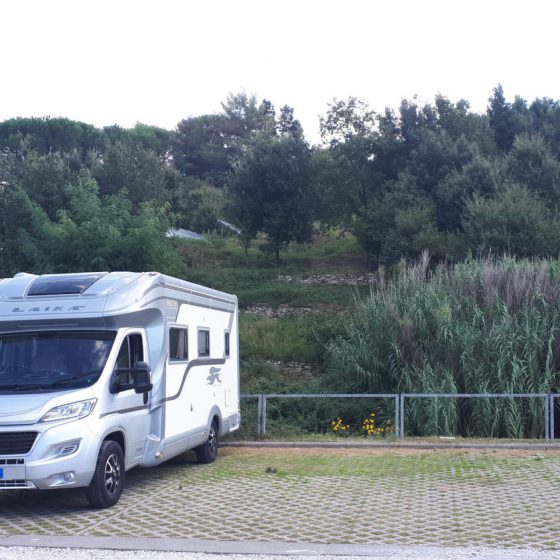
(400, 404)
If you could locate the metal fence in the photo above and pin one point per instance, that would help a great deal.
(263, 397)
(400, 404)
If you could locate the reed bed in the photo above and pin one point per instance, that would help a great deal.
(480, 326)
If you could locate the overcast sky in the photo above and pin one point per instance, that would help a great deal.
(157, 62)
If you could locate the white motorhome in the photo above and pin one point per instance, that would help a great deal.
(102, 372)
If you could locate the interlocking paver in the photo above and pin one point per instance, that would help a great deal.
(412, 497)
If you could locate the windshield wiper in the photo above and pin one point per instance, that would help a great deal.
(20, 387)
(65, 380)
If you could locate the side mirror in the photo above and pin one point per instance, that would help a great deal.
(142, 378)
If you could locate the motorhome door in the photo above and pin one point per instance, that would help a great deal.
(131, 407)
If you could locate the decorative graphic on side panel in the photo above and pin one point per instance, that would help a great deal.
(214, 375)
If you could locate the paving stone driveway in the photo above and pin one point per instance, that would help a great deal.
(447, 498)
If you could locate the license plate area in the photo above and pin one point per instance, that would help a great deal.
(12, 469)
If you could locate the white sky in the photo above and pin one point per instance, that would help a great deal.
(157, 62)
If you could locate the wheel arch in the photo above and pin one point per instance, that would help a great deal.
(215, 414)
(118, 436)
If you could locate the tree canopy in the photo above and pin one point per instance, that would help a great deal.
(427, 176)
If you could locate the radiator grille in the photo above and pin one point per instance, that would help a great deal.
(14, 484)
(12, 461)
(16, 443)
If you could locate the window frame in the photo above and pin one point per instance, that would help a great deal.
(186, 334)
(227, 344)
(198, 331)
(127, 339)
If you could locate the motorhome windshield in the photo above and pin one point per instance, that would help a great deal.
(52, 361)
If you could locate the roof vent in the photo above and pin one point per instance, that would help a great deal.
(63, 284)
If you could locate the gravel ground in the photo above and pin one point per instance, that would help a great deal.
(28, 553)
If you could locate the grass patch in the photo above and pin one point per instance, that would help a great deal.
(330, 244)
(228, 252)
(291, 337)
(451, 466)
(261, 286)
(259, 376)
(253, 277)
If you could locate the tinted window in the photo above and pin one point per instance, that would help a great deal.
(178, 344)
(203, 343)
(54, 361)
(131, 352)
(226, 345)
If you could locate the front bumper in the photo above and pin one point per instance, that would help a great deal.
(63, 455)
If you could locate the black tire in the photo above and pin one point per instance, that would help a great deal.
(107, 483)
(208, 451)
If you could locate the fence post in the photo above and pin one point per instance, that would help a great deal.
(551, 412)
(263, 416)
(259, 414)
(546, 417)
(402, 417)
(397, 417)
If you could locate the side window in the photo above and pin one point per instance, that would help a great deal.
(203, 343)
(131, 352)
(178, 345)
(123, 359)
(226, 345)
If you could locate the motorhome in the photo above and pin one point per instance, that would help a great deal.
(102, 372)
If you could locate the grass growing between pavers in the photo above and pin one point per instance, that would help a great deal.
(378, 496)
(339, 463)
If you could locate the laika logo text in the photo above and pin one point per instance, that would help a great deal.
(48, 308)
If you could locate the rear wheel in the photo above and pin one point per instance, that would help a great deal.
(208, 451)
(107, 483)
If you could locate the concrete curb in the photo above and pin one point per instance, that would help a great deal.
(391, 445)
(270, 548)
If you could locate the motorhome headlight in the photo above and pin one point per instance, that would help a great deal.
(74, 410)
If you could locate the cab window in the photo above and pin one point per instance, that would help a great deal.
(131, 351)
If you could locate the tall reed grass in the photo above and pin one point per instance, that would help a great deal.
(481, 326)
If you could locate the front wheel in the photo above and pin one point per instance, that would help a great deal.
(107, 483)
(208, 451)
